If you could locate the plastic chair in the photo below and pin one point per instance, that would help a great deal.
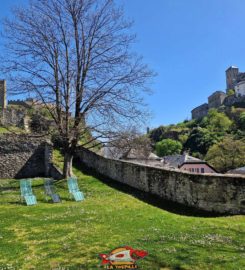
(74, 189)
(50, 190)
(26, 192)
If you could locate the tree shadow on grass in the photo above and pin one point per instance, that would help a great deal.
(17, 188)
(154, 200)
(14, 203)
(9, 188)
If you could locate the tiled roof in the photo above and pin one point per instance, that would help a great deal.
(237, 171)
(122, 153)
(178, 160)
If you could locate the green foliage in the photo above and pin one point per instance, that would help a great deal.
(239, 135)
(39, 124)
(236, 115)
(217, 121)
(191, 124)
(197, 136)
(200, 139)
(11, 129)
(197, 155)
(30, 111)
(242, 121)
(168, 132)
(45, 112)
(168, 147)
(230, 92)
(157, 134)
(227, 154)
(183, 138)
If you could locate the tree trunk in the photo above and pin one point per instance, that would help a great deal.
(67, 169)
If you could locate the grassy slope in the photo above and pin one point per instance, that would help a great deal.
(11, 129)
(71, 235)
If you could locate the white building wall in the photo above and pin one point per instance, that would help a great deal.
(240, 89)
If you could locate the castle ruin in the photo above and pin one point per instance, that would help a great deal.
(11, 116)
(235, 80)
(231, 76)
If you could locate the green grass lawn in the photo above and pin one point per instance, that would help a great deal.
(70, 235)
(11, 129)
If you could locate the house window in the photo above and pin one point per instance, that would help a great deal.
(197, 170)
(192, 170)
(202, 170)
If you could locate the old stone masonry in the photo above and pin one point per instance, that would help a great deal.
(235, 81)
(25, 156)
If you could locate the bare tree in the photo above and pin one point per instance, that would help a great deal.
(126, 143)
(75, 56)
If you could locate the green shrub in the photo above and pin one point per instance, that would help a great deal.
(168, 147)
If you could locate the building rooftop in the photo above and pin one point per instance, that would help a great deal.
(217, 92)
(231, 67)
(178, 160)
(123, 153)
(240, 170)
(201, 106)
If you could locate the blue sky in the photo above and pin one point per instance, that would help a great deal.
(189, 43)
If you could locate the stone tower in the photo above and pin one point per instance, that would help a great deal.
(231, 77)
(3, 93)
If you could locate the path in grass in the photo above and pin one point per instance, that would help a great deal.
(71, 235)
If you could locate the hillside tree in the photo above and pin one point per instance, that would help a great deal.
(216, 121)
(75, 56)
(227, 154)
(242, 121)
(168, 147)
(200, 140)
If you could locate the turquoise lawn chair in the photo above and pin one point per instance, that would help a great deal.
(50, 190)
(74, 189)
(26, 192)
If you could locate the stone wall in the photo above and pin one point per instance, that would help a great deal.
(231, 77)
(216, 99)
(13, 117)
(210, 192)
(55, 172)
(19, 102)
(3, 98)
(24, 156)
(229, 100)
(235, 101)
(200, 111)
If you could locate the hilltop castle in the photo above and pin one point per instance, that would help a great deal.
(235, 80)
(21, 113)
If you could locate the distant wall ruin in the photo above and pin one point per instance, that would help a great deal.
(14, 117)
